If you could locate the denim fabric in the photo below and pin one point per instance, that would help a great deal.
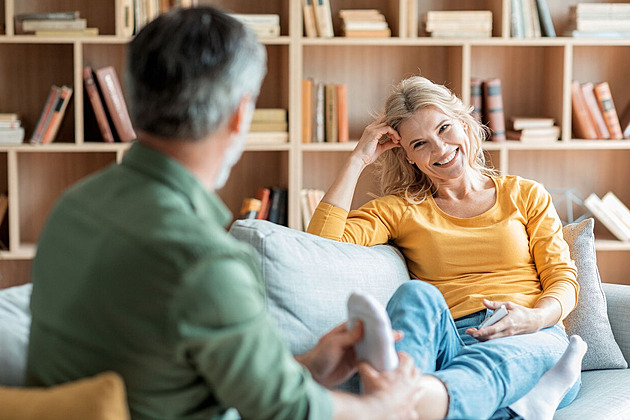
(482, 379)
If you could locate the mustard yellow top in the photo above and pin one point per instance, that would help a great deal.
(514, 251)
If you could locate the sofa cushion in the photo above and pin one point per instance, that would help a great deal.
(618, 300)
(590, 318)
(101, 397)
(15, 323)
(309, 278)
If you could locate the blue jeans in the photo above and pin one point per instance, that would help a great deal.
(482, 379)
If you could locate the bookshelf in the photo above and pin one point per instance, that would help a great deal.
(535, 75)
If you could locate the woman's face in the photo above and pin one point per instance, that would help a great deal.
(437, 144)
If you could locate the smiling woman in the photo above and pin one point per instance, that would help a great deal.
(476, 241)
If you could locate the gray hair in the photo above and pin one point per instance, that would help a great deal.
(188, 70)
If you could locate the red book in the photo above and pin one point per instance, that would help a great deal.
(263, 194)
(115, 101)
(57, 116)
(97, 104)
(606, 104)
(493, 105)
(46, 115)
(582, 124)
(342, 114)
(593, 110)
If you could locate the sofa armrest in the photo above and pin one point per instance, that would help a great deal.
(618, 299)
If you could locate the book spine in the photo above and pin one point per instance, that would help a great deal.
(115, 101)
(412, 19)
(342, 114)
(53, 25)
(44, 117)
(249, 208)
(582, 124)
(307, 110)
(607, 106)
(331, 114)
(319, 113)
(493, 105)
(593, 110)
(263, 194)
(476, 97)
(323, 18)
(127, 19)
(518, 30)
(274, 207)
(546, 22)
(310, 27)
(57, 116)
(97, 104)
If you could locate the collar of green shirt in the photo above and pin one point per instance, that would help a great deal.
(168, 171)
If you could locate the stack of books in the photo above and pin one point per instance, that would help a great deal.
(52, 114)
(364, 23)
(599, 20)
(53, 24)
(11, 130)
(612, 212)
(270, 203)
(594, 112)
(309, 200)
(459, 24)
(531, 19)
(269, 126)
(324, 112)
(265, 26)
(534, 130)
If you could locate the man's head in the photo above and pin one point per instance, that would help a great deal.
(188, 71)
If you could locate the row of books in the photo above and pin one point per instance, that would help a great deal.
(52, 115)
(531, 19)
(11, 130)
(594, 112)
(533, 130)
(324, 112)
(317, 18)
(612, 212)
(269, 203)
(309, 200)
(459, 23)
(486, 98)
(264, 25)
(364, 23)
(599, 20)
(53, 24)
(134, 14)
(108, 104)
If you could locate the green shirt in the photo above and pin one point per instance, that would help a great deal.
(135, 273)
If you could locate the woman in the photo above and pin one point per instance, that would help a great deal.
(478, 241)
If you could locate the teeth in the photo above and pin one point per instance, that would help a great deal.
(448, 159)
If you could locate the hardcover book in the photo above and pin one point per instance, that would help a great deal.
(307, 110)
(97, 105)
(594, 204)
(115, 101)
(342, 114)
(607, 106)
(476, 97)
(582, 124)
(57, 116)
(493, 106)
(46, 114)
(593, 110)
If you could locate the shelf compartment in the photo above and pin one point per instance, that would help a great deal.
(99, 14)
(274, 92)
(495, 6)
(42, 178)
(531, 78)
(255, 169)
(26, 81)
(358, 68)
(275, 7)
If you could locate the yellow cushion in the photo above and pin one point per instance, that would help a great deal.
(101, 397)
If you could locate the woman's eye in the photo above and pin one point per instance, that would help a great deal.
(418, 144)
(443, 127)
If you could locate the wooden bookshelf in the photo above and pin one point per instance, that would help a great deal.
(535, 75)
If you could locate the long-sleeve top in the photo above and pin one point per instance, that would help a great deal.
(513, 251)
(135, 273)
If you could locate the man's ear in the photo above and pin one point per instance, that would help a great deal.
(242, 117)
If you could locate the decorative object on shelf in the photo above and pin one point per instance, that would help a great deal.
(264, 25)
(459, 24)
(364, 23)
(566, 200)
(11, 130)
(530, 130)
(599, 20)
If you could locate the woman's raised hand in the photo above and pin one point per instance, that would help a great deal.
(370, 146)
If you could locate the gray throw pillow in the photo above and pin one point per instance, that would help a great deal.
(15, 323)
(589, 319)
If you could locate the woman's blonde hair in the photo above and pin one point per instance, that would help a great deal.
(398, 176)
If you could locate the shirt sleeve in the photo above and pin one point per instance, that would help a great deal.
(227, 335)
(556, 270)
(374, 223)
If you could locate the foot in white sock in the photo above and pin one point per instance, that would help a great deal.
(541, 401)
(377, 345)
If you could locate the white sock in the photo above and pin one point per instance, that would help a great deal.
(541, 401)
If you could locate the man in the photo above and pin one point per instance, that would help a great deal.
(135, 272)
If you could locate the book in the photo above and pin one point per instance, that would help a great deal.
(269, 115)
(97, 104)
(615, 205)
(519, 123)
(12, 135)
(597, 34)
(625, 122)
(4, 207)
(268, 126)
(544, 135)
(307, 110)
(263, 194)
(319, 113)
(412, 19)
(601, 9)
(29, 25)
(308, 10)
(304, 209)
(46, 114)
(9, 116)
(535, 18)
(20, 17)
(546, 23)
(262, 138)
(278, 200)
(383, 33)
(10, 124)
(342, 114)
(493, 106)
(115, 103)
(126, 18)
(461, 15)
(476, 97)
(517, 29)
(594, 204)
(583, 127)
(364, 25)
(68, 33)
(57, 116)
(249, 208)
(331, 123)
(593, 110)
(361, 14)
(323, 18)
(607, 106)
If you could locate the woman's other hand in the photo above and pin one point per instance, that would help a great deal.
(376, 139)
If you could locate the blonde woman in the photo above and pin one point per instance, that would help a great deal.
(477, 241)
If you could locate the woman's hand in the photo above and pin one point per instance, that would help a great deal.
(370, 146)
(519, 320)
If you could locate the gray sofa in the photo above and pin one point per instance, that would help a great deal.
(308, 280)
